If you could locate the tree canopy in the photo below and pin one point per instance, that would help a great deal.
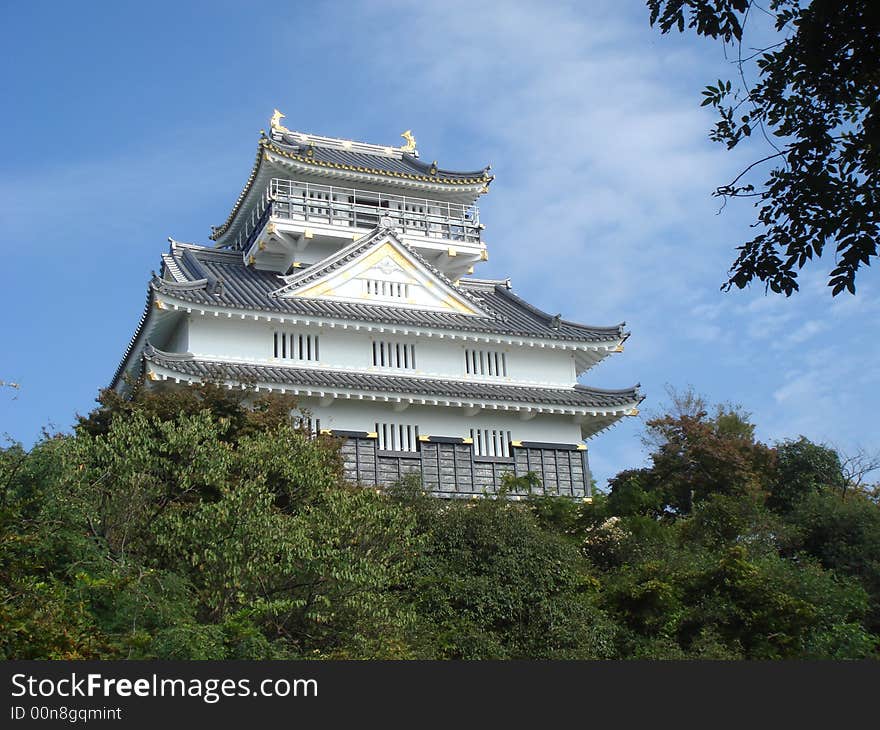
(809, 103)
(202, 524)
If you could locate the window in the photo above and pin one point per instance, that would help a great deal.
(388, 289)
(397, 437)
(394, 355)
(288, 346)
(485, 362)
(311, 426)
(491, 442)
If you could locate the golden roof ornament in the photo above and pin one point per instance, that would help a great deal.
(275, 122)
(410, 145)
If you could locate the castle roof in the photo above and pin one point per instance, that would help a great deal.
(389, 161)
(318, 382)
(192, 274)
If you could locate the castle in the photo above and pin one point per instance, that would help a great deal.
(342, 275)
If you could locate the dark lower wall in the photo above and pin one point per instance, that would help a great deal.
(448, 467)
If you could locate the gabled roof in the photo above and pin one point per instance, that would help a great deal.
(244, 287)
(379, 237)
(577, 397)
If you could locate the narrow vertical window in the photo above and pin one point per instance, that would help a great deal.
(289, 346)
(491, 441)
(492, 363)
(397, 437)
(389, 354)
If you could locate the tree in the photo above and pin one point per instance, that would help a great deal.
(803, 468)
(490, 583)
(843, 533)
(694, 456)
(812, 98)
(856, 467)
(196, 524)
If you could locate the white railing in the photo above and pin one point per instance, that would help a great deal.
(352, 208)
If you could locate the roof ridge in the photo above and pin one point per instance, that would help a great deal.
(295, 138)
(432, 169)
(159, 284)
(477, 280)
(151, 351)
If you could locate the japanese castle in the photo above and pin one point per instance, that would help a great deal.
(343, 276)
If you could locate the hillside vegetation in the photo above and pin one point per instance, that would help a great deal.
(183, 525)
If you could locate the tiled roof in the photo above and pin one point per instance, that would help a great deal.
(403, 164)
(243, 287)
(579, 396)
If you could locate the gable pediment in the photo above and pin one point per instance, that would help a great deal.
(380, 269)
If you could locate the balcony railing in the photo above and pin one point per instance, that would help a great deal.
(351, 208)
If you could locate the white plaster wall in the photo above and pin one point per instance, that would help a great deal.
(236, 339)
(179, 339)
(252, 341)
(443, 421)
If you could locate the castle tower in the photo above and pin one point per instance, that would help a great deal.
(342, 276)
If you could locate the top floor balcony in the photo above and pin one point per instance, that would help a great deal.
(339, 212)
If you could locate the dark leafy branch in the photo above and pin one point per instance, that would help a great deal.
(815, 97)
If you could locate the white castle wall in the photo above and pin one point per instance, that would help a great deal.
(179, 340)
(236, 339)
(442, 421)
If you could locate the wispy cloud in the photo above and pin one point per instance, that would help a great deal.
(602, 207)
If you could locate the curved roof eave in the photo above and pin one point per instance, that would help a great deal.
(604, 402)
(132, 343)
(618, 329)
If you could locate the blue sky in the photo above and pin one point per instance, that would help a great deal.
(127, 123)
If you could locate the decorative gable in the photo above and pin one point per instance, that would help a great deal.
(380, 269)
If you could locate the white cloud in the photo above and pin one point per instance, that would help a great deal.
(602, 209)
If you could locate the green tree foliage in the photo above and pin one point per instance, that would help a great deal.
(695, 456)
(492, 584)
(202, 524)
(843, 534)
(811, 99)
(803, 468)
(727, 548)
(187, 525)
